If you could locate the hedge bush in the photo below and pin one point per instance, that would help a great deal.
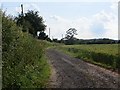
(24, 65)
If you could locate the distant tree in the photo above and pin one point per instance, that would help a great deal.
(42, 35)
(48, 39)
(118, 41)
(70, 33)
(55, 40)
(70, 36)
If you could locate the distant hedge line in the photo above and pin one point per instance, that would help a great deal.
(23, 62)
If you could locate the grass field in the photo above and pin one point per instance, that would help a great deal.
(105, 55)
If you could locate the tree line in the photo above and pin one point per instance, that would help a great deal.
(74, 41)
(70, 39)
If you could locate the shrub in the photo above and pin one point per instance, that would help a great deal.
(23, 61)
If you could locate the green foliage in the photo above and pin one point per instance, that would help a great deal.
(42, 36)
(111, 49)
(70, 36)
(104, 55)
(31, 22)
(91, 41)
(70, 33)
(24, 65)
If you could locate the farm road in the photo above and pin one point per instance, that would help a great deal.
(68, 72)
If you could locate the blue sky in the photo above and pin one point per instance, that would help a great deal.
(64, 9)
(91, 19)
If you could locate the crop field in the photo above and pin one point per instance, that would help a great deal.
(105, 55)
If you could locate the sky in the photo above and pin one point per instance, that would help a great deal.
(91, 19)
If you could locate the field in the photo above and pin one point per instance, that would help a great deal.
(105, 55)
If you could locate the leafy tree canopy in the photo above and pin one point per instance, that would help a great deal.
(31, 22)
(70, 33)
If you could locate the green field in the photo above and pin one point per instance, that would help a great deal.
(105, 55)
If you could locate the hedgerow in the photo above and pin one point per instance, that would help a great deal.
(24, 64)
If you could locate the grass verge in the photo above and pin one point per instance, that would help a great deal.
(105, 60)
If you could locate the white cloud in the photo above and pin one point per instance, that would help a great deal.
(61, 25)
(114, 6)
(26, 7)
(30, 6)
(58, 25)
(105, 20)
(18, 9)
(109, 21)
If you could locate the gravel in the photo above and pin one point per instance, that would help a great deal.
(69, 72)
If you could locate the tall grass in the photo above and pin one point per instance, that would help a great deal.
(105, 55)
(24, 63)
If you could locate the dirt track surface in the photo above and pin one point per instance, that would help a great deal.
(68, 72)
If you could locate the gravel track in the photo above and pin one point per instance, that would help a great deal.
(69, 72)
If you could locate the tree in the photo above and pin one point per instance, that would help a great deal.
(31, 22)
(55, 40)
(70, 33)
(70, 36)
(42, 36)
